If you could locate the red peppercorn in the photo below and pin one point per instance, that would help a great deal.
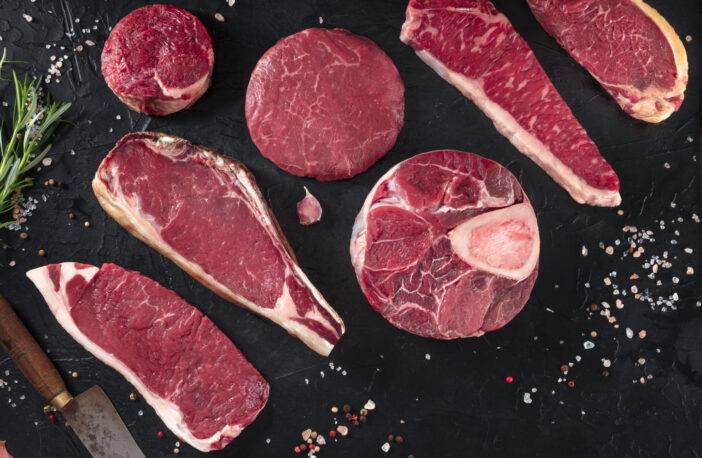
(354, 417)
(160, 434)
(571, 384)
(509, 379)
(332, 433)
(297, 449)
(52, 417)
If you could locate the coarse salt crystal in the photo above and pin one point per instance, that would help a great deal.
(583, 250)
(427, 356)
(385, 447)
(369, 405)
(588, 345)
(527, 398)
(629, 333)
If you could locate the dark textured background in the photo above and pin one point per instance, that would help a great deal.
(457, 402)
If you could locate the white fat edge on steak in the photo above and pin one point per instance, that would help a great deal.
(198, 87)
(146, 229)
(525, 142)
(58, 302)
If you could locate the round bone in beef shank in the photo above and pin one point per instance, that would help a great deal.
(325, 103)
(158, 59)
(446, 245)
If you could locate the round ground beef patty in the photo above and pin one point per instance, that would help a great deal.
(325, 104)
(158, 59)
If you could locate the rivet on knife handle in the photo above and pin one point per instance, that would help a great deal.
(16, 340)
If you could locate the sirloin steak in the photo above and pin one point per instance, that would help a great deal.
(204, 212)
(474, 47)
(158, 59)
(192, 375)
(627, 46)
(446, 245)
(325, 104)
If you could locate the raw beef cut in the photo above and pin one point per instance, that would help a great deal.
(627, 46)
(446, 245)
(192, 375)
(3, 451)
(204, 212)
(325, 104)
(158, 59)
(474, 47)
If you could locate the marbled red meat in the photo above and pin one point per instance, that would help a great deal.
(446, 245)
(158, 59)
(205, 212)
(325, 104)
(627, 46)
(193, 376)
(474, 47)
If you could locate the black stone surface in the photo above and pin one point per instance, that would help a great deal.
(456, 402)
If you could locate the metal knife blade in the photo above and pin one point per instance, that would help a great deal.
(98, 425)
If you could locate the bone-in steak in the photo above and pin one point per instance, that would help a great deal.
(446, 245)
(627, 46)
(158, 59)
(474, 47)
(325, 104)
(205, 212)
(192, 375)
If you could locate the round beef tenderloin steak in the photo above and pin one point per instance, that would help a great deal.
(158, 59)
(325, 104)
(446, 245)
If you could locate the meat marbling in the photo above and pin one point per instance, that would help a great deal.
(325, 103)
(474, 47)
(627, 46)
(446, 245)
(204, 212)
(158, 59)
(193, 376)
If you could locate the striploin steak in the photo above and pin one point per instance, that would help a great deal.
(204, 212)
(474, 47)
(158, 59)
(627, 46)
(325, 103)
(193, 376)
(446, 245)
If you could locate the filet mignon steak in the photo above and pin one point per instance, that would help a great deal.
(474, 47)
(627, 46)
(204, 212)
(158, 59)
(446, 245)
(325, 104)
(192, 375)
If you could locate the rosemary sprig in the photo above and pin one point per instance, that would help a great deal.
(34, 119)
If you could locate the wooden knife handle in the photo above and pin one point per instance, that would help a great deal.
(16, 340)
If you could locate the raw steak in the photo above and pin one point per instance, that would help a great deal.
(474, 47)
(627, 46)
(325, 104)
(446, 245)
(158, 59)
(204, 212)
(192, 375)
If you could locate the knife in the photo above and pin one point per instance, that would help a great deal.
(91, 415)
